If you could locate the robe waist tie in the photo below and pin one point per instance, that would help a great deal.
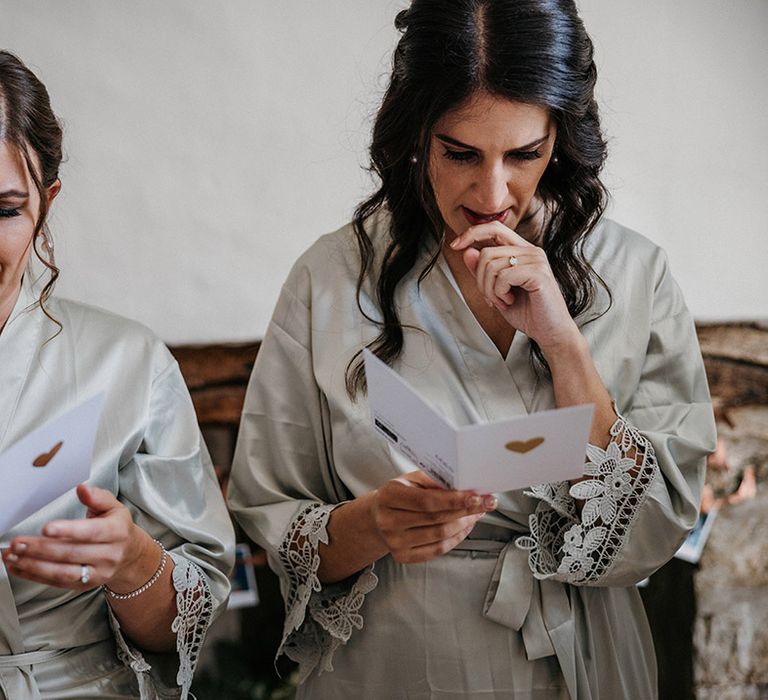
(16, 678)
(539, 609)
(28, 658)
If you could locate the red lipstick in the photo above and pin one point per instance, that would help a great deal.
(475, 218)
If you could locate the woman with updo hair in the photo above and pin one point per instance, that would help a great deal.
(484, 272)
(107, 591)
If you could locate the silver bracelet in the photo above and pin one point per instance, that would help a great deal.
(148, 584)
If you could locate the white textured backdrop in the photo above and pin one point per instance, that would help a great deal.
(209, 143)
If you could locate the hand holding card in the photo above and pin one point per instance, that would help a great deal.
(418, 520)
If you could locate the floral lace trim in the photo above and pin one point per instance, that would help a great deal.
(558, 496)
(194, 608)
(581, 550)
(333, 612)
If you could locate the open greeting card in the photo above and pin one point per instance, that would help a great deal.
(491, 457)
(48, 462)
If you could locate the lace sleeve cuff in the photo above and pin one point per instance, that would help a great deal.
(581, 549)
(194, 610)
(318, 618)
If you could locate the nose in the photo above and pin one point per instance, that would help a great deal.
(492, 188)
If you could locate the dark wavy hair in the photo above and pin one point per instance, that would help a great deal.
(529, 51)
(28, 122)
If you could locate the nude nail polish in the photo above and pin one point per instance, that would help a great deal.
(490, 502)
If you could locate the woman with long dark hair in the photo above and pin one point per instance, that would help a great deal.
(107, 591)
(483, 270)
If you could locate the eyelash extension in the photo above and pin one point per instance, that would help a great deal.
(527, 155)
(466, 156)
(9, 212)
(460, 156)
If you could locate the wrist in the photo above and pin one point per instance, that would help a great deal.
(566, 346)
(354, 540)
(140, 562)
(374, 534)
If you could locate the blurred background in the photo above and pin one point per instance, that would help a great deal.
(208, 144)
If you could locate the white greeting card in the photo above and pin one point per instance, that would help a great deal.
(48, 462)
(491, 457)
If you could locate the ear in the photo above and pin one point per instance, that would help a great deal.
(52, 191)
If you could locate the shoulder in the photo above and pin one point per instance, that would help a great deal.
(104, 336)
(635, 269)
(332, 262)
(612, 245)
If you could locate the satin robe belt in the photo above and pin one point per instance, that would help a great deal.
(539, 609)
(16, 678)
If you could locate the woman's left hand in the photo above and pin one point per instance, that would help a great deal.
(526, 294)
(107, 542)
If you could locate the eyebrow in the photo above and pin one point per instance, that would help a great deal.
(454, 142)
(16, 194)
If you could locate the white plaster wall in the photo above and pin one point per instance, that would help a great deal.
(209, 143)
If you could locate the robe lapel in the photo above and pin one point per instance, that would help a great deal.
(19, 345)
(502, 387)
(10, 629)
(520, 366)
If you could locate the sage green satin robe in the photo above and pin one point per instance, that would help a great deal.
(149, 453)
(540, 601)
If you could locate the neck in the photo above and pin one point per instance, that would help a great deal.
(7, 302)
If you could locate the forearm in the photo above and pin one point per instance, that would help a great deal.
(576, 381)
(353, 541)
(146, 618)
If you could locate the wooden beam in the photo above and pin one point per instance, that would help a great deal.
(221, 364)
(219, 405)
(743, 342)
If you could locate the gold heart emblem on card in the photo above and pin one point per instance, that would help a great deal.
(523, 446)
(43, 459)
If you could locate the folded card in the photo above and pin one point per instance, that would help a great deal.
(490, 457)
(48, 462)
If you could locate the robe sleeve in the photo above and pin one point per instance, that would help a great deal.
(171, 490)
(642, 493)
(283, 487)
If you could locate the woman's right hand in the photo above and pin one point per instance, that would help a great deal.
(418, 520)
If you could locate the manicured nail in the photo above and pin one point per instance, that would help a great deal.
(12, 557)
(474, 501)
(454, 243)
(20, 547)
(490, 502)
